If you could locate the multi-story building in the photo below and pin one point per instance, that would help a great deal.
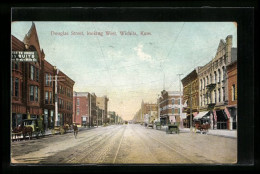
(170, 107)
(232, 92)
(102, 103)
(149, 112)
(33, 86)
(112, 117)
(84, 108)
(190, 96)
(213, 93)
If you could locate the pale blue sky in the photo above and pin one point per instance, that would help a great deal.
(128, 68)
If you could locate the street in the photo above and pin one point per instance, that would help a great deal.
(126, 144)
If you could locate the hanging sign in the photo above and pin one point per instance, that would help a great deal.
(24, 56)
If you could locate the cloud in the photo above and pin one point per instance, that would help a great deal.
(142, 55)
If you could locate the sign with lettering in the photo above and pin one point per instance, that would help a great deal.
(24, 56)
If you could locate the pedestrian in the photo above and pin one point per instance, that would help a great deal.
(75, 128)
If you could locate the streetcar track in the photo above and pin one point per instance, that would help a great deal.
(83, 155)
(187, 144)
(119, 146)
(79, 158)
(145, 146)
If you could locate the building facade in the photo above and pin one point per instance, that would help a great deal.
(33, 86)
(232, 93)
(170, 107)
(213, 86)
(84, 108)
(102, 103)
(190, 96)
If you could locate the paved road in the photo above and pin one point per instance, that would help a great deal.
(126, 144)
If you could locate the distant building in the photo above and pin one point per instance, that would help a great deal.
(102, 103)
(190, 96)
(170, 107)
(84, 108)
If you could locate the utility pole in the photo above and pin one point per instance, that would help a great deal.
(56, 98)
(89, 119)
(180, 97)
(56, 93)
(191, 106)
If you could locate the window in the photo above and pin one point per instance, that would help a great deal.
(219, 75)
(215, 77)
(50, 78)
(46, 79)
(219, 96)
(37, 74)
(50, 97)
(203, 83)
(179, 110)
(223, 93)
(233, 92)
(31, 93)
(16, 90)
(200, 84)
(16, 65)
(201, 100)
(207, 80)
(32, 72)
(77, 111)
(223, 73)
(210, 76)
(78, 101)
(215, 96)
(179, 101)
(36, 93)
(173, 101)
(46, 97)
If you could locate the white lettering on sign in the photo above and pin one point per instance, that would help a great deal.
(24, 56)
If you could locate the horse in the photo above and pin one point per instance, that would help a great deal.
(204, 127)
(17, 131)
(27, 130)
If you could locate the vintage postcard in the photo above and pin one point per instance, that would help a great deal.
(123, 92)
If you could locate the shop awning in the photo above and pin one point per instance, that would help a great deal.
(200, 115)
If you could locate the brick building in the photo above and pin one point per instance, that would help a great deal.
(170, 107)
(32, 88)
(190, 96)
(82, 114)
(232, 92)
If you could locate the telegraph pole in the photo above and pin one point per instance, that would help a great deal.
(180, 96)
(89, 110)
(191, 106)
(56, 99)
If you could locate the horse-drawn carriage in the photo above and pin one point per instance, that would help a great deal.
(28, 127)
(173, 128)
(202, 127)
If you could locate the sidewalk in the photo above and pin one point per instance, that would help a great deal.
(215, 132)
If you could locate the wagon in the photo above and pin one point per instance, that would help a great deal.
(157, 125)
(173, 128)
(36, 125)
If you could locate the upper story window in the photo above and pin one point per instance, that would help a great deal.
(32, 72)
(77, 101)
(223, 73)
(219, 75)
(215, 76)
(233, 92)
(34, 93)
(16, 87)
(173, 101)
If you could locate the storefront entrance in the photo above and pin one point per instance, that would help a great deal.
(222, 119)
